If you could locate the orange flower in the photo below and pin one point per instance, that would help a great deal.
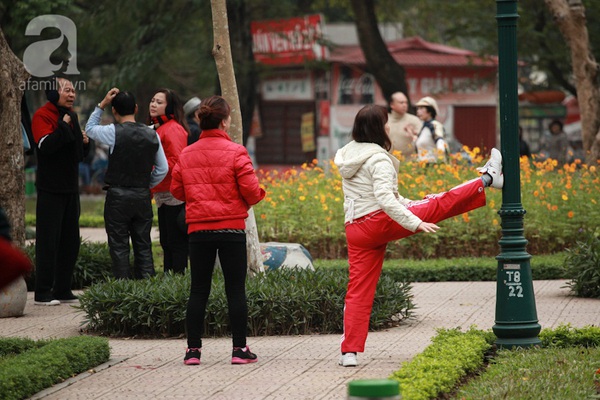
(570, 214)
(263, 216)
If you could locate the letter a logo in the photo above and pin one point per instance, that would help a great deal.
(37, 56)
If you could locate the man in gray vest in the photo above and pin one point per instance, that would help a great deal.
(136, 162)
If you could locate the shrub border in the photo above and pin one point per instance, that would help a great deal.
(27, 367)
(453, 355)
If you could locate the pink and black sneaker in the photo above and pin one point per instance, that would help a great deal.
(192, 356)
(243, 355)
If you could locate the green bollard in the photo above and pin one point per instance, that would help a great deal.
(374, 389)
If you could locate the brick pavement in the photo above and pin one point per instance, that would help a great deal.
(289, 367)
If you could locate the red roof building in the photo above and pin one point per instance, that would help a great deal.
(463, 84)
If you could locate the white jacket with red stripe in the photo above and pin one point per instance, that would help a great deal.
(370, 183)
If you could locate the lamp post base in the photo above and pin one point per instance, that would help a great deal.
(512, 343)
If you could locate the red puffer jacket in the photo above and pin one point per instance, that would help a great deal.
(216, 179)
(174, 139)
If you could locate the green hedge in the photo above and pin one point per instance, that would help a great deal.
(453, 355)
(283, 302)
(29, 367)
(583, 266)
(549, 266)
(13, 346)
(450, 357)
(93, 265)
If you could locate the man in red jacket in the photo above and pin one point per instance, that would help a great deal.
(60, 146)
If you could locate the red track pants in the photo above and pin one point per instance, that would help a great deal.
(367, 239)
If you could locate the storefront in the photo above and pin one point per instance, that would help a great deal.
(307, 81)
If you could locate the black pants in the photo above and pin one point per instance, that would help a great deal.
(128, 213)
(232, 255)
(173, 238)
(57, 243)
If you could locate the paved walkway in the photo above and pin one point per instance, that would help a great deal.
(289, 367)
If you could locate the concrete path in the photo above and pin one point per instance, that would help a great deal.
(289, 367)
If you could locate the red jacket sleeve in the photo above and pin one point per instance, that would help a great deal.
(14, 263)
(246, 177)
(177, 189)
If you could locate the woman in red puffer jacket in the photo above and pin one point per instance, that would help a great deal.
(166, 114)
(216, 180)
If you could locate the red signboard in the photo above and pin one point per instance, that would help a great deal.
(289, 41)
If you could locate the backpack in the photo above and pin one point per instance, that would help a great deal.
(432, 128)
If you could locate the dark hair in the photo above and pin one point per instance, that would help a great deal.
(431, 111)
(369, 126)
(124, 103)
(52, 90)
(212, 111)
(52, 85)
(174, 107)
(556, 122)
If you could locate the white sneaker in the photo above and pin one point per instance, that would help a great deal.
(348, 360)
(494, 169)
(52, 302)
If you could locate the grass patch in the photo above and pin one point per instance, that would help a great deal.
(551, 373)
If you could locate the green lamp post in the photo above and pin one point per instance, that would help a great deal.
(516, 316)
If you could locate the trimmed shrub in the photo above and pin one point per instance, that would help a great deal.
(36, 368)
(458, 269)
(13, 346)
(283, 302)
(583, 267)
(451, 356)
(567, 336)
(93, 265)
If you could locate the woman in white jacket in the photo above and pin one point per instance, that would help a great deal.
(430, 142)
(376, 214)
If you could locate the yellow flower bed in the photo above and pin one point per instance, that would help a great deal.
(305, 205)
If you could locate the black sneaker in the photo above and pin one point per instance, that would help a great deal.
(241, 356)
(192, 356)
(67, 298)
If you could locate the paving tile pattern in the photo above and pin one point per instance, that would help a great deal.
(289, 367)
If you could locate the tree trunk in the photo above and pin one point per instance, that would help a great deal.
(12, 184)
(243, 57)
(570, 18)
(222, 54)
(389, 74)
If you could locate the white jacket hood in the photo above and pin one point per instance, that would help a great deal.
(352, 156)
